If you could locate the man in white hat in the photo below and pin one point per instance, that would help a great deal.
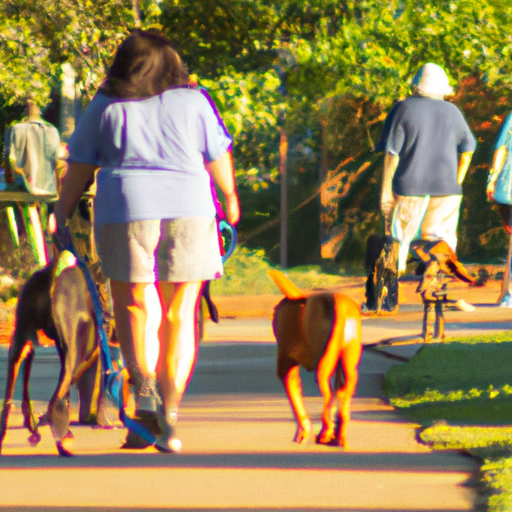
(428, 148)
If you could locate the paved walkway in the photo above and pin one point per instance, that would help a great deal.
(236, 428)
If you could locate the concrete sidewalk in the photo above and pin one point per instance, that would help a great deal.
(236, 427)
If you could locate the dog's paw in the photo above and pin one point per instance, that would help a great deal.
(327, 437)
(63, 451)
(303, 433)
(331, 439)
(34, 439)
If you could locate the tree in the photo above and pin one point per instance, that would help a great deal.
(342, 63)
(36, 38)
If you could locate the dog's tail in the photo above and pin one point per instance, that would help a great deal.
(289, 289)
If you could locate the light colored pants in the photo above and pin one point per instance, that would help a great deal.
(423, 217)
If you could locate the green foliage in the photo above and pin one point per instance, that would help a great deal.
(8, 310)
(9, 292)
(36, 38)
(497, 476)
(246, 273)
(240, 97)
(324, 71)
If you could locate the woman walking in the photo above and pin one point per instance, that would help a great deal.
(148, 137)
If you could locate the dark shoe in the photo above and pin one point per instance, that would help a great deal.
(150, 422)
(167, 442)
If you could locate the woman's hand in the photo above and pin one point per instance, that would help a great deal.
(61, 234)
(232, 208)
(223, 172)
(498, 161)
(491, 185)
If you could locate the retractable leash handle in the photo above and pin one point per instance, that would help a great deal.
(229, 238)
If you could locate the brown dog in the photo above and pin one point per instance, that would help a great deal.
(56, 300)
(321, 332)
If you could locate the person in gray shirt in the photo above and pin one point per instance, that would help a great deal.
(31, 152)
(428, 148)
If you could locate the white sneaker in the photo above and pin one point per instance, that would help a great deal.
(462, 305)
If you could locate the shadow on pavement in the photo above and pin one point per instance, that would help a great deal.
(335, 460)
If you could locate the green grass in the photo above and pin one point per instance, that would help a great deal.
(245, 272)
(492, 446)
(481, 411)
(453, 372)
(461, 392)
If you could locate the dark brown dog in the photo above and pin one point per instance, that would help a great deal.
(320, 332)
(58, 302)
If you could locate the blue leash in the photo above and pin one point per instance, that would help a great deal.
(113, 379)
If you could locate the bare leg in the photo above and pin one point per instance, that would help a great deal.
(130, 312)
(178, 342)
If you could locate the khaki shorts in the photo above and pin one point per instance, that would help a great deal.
(423, 217)
(147, 251)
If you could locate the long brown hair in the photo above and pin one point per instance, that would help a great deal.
(145, 64)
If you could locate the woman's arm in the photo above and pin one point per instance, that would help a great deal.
(223, 172)
(498, 161)
(74, 185)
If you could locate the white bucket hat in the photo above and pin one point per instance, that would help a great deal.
(431, 80)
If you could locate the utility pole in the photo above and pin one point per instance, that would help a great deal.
(286, 62)
(283, 152)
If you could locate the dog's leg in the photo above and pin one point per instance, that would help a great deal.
(293, 386)
(350, 358)
(17, 352)
(58, 412)
(289, 332)
(345, 345)
(91, 399)
(26, 406)
(325, 370)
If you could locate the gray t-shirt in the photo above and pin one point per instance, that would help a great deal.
(152, 154)
(31, 148)
(428, 136)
